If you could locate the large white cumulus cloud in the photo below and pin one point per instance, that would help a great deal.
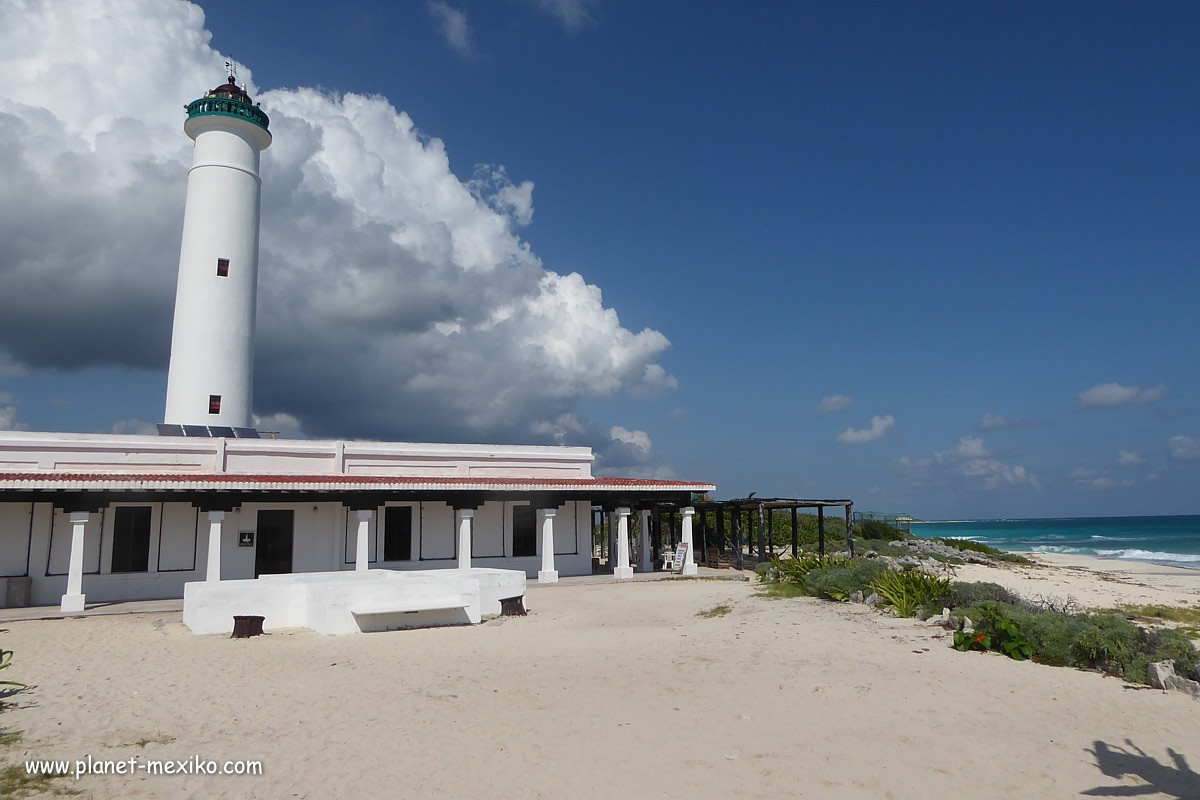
(395, 300)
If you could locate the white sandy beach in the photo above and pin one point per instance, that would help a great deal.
(612, 690)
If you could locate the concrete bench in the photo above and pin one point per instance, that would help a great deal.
(410, 607)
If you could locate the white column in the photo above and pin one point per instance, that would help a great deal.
(73, 600)
(364, 537)
(646, 564)
(623, 570)
(547, 574)
(462, 518)
(612, 538)
(689, 562)
(215, 520)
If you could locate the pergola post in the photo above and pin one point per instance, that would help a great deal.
(73, 600)
(849, 530)
(215, 526)
(462, 520)
(547, 574)
(762, 535)
(735, 517)
(646, 564)
(689, 561)
(361, 556)
(623, 571)
(795, 532)
(821, 530)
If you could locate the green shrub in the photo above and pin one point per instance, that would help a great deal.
(767, 571)
(969, 544)
(885, 547)
(1053, 636)
(1163, 644)
(968, 593)
(1001, 633)
(793, 570)
(874, 529)
(838, 583)
(907, 591)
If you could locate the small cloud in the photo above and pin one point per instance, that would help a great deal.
(572, 14)
(560, 429)
(835, 402)
(454, 27)
(1084, 472)
(879, 426)
(971, 447)
(909, 464)
(679, 413)
(990, 422)
(135, 426)
(1184, 448)
(1103, 482)
(637, 439)
(8, 419)
(285, 425)
(1108, 395)
(1128, 482)
(1129, 457)
(1151, 476)
(996, 473)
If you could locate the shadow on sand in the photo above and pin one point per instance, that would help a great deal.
(1178, 781)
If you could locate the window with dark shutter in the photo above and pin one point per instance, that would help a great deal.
(131, 539)
(397, 533)
(524, 531)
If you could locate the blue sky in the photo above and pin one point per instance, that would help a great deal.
(940, 212)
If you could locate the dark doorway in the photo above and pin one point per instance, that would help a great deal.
(273, 550)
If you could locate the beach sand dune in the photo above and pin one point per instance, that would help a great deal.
(603, 691)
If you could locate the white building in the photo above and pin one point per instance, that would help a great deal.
(107, 518)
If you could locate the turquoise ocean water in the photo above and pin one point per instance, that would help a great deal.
(1160, 540)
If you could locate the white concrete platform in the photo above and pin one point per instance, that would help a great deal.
(350, 602)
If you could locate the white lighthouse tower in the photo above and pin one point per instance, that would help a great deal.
(211, 376)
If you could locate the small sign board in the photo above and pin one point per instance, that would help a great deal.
(680, 554)
(246, 539)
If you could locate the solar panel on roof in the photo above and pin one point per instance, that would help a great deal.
(195, 430)
(246, 433)
(169, 430)
(220, 430)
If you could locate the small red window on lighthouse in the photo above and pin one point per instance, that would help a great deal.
(222, 267)
(214, 404)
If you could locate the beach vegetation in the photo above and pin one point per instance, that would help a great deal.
(793, 570)
(840, 582)
(781, 590)
(715, 611)
(874, 529)
(909, 590)
(985, 549)
(16, 782)
(1186, 620)
(6, 657)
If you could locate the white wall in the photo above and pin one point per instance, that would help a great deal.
(14, 537)
(25, 451)
(322, 541)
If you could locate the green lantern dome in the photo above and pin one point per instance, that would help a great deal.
(228, 100)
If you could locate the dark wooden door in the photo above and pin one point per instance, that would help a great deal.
(273, 548)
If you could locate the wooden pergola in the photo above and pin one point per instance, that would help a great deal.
(740, 522)
(761, 510)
